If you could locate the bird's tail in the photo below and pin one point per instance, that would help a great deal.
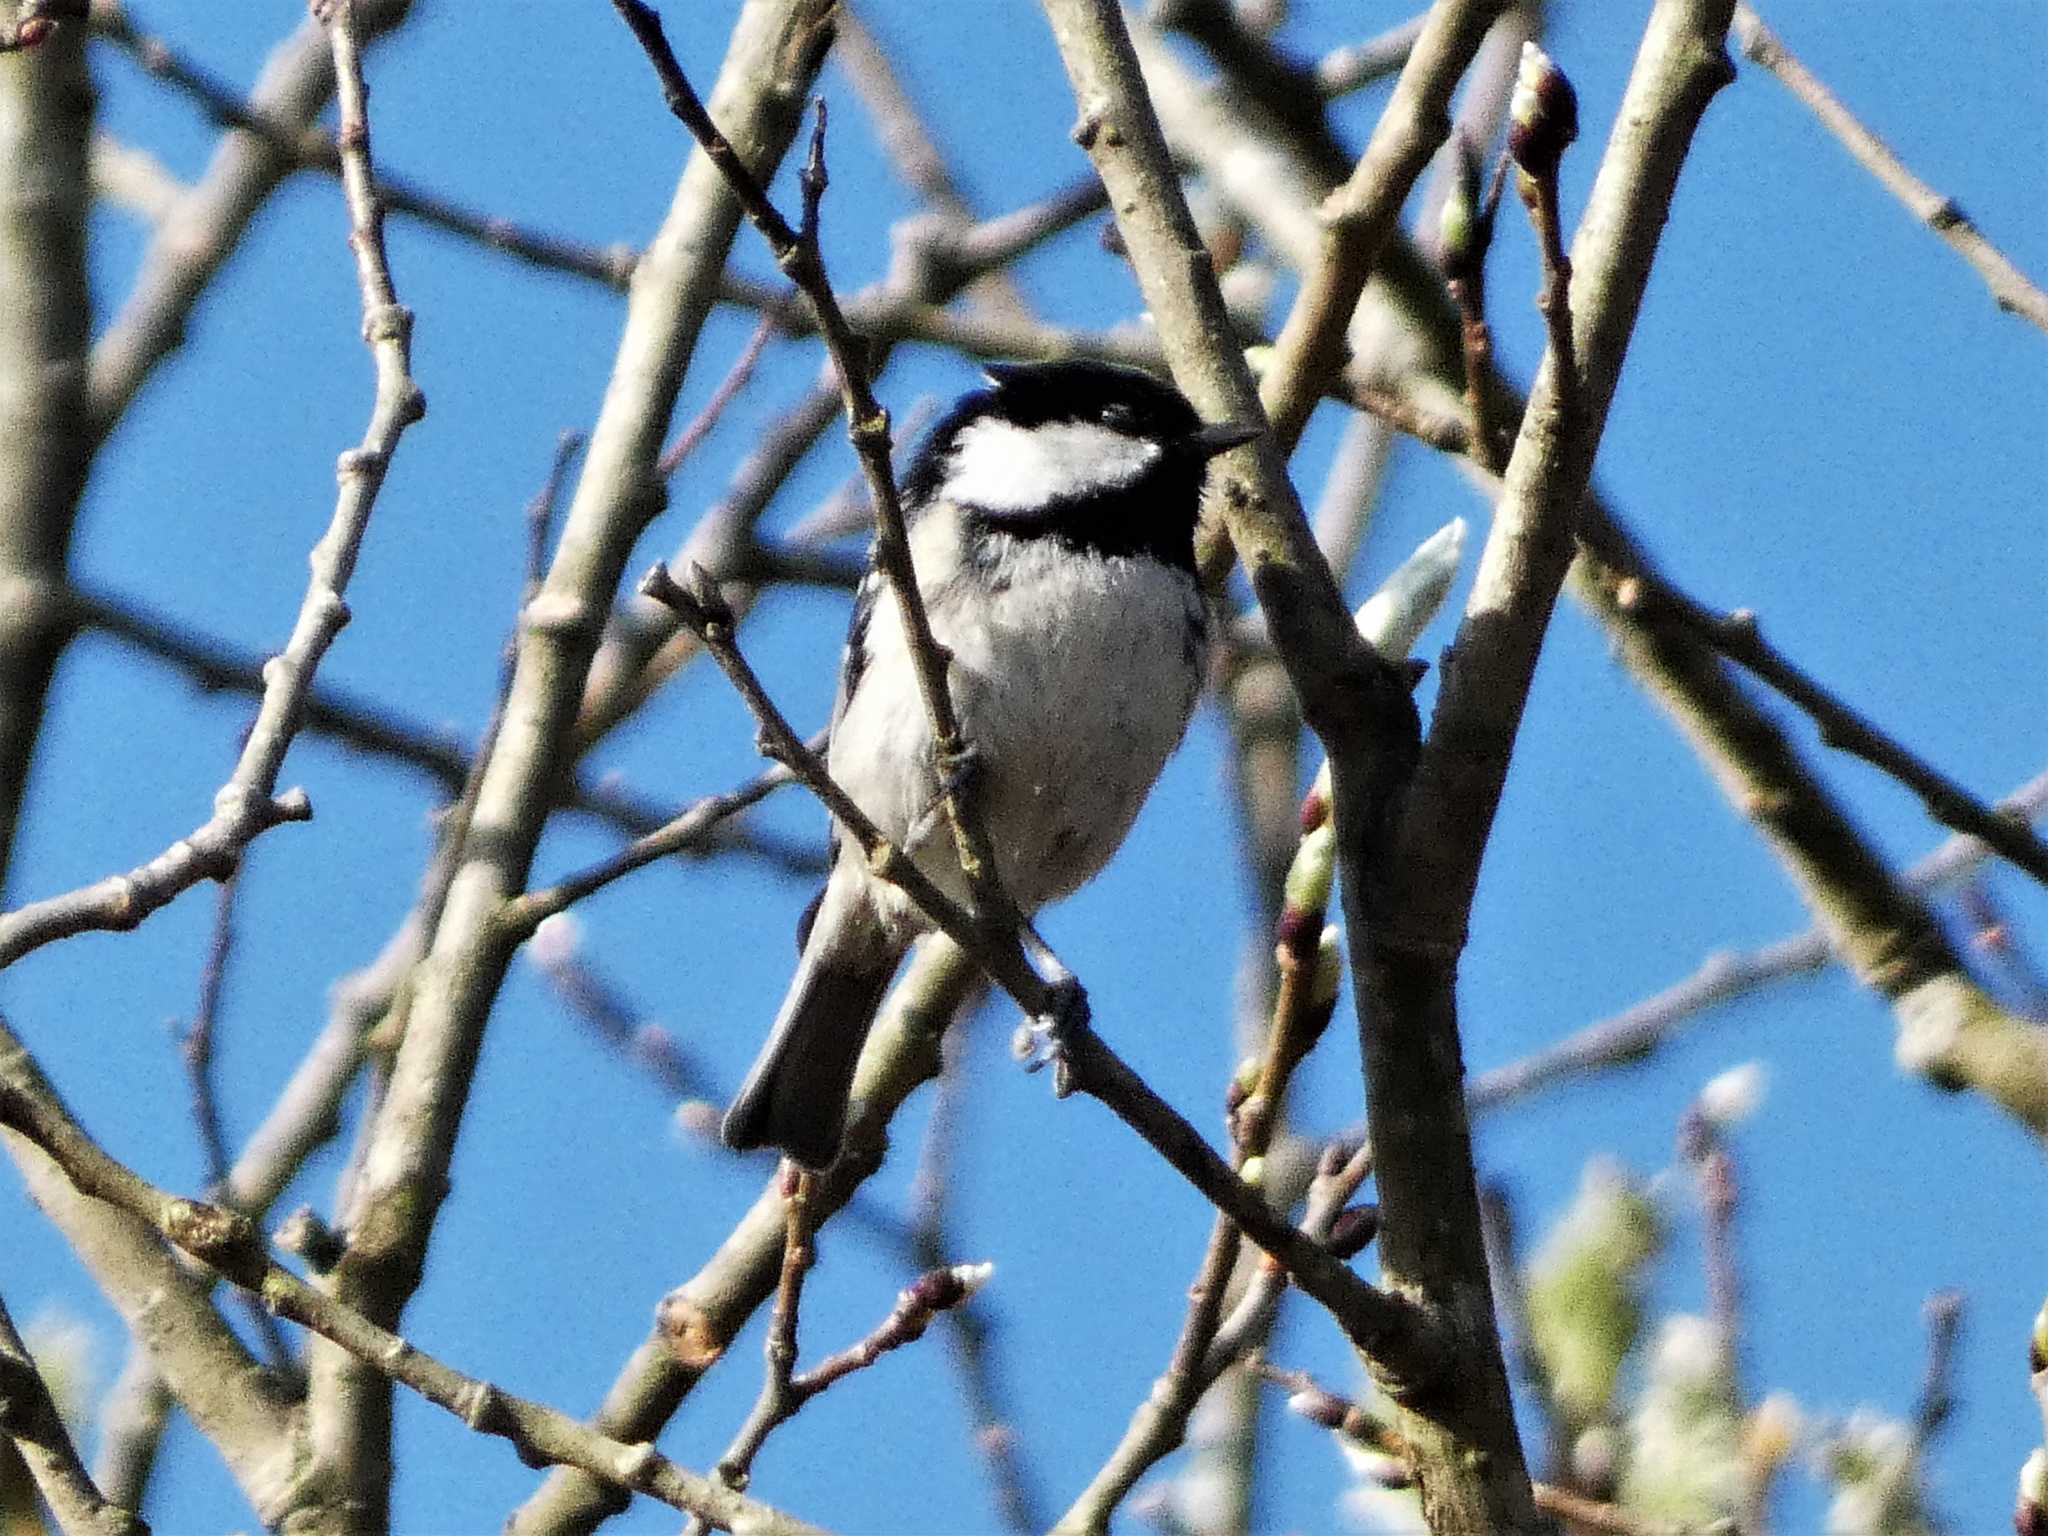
(795, 1098)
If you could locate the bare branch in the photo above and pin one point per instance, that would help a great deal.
(1013, 1481)
(1636, 1032)
(195, 1045)
(190, 244)
(2011, 287)
(248, 804)
(1357, 65)
(1160, 1423)
(774, 54)
(1375, 1320)
(1937, 1402)
(374, 729)
(698, 1320)
(299, 143)
(797, 253)
(1416, 906)
(1361, 217)
(778, 1401)
(46, 110)
(31, 1420)
(1738, 637)
(231, 1245)
(522, 914)
(233, 1401)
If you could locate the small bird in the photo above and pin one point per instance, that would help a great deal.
(1052, 527)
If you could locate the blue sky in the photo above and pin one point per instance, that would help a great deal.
(1823, 417)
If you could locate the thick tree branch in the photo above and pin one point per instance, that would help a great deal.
(1738, 637)
(31, 1420)
(46, 110)
(232, 1245)
(1418, 903)
(238, 1405)
(1950, 1030)
(1473, 1465)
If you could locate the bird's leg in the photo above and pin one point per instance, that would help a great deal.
(956, 779)
(1042, 1041)
(960, 772)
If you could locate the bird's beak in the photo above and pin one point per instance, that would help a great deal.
(1220, 437)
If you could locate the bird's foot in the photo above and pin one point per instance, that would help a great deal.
(1043, 1041)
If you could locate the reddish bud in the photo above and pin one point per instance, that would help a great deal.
(1543, 114)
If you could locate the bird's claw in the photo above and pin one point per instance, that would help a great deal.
(1042, 1042)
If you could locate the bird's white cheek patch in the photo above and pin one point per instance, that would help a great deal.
(1001, 467)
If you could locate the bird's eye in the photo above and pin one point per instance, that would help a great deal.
(1119, 418)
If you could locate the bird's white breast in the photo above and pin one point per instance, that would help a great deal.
(1074, 676)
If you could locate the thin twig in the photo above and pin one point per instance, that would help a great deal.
(1361, 218)
(376, 730)
(1992, 935)
(729, 389)
(195, 1045)
(778, 1401)
(2009, 286)
(1335, 1412)
(191, 243)
(1635, 1033)
(697, 1321)
(1357, 65)
(1160, 1423)
(248, 805)
(774, 51)
(1504, 1261)
(196, 1050)
(1584, 1514)
(1703, 1146)
(557, 952)
(994, 1436)
(524, 913)
(1932, 1409)
(934, 1292)
(1739, 637)
(1303, 1002)
(307, 146)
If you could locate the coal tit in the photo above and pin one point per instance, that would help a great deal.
(1052, 521)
